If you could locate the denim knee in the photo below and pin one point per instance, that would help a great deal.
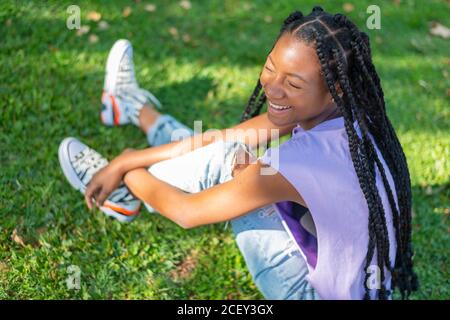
(277, 267)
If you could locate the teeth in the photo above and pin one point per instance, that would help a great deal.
(275, 106)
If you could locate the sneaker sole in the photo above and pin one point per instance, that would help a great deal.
(113, 61)
(64, 162)
(75, 182)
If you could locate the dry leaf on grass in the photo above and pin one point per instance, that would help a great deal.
(174, 32)
(186, 37)
(439, 30)
(3, 267)
(17, 238)
(126, 12)
(150, 7)
(348, 7)
(93, 38)
(186, 5)
(41, 230)
(103, 25)
(186, 267)
(83, 30)
(94, 16)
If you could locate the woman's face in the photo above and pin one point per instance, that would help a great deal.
(296, 91)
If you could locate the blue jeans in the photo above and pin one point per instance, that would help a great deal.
(274, 261)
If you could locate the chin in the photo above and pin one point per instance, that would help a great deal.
(279, 121)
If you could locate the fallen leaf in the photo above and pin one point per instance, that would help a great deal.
(126, 12)
(173, 31)
(185, 4)
(268, 19)
(348, 7)
(17, 238)
(83, 30)
(186, 37)
(93, 38)
(3, 267)
(52, 48)
(439, 30)
(94, 16)
(448, 92)
(103, 25)
(41, 230)
(8, 22)
(150, 7)
(378, 40)
(186, 267)
(397, 2)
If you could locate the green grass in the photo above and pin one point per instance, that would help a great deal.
(50, 85)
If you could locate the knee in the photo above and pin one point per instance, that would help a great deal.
(130, 177)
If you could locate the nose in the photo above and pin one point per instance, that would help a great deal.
(273, 92)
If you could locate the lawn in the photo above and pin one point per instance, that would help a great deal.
(202, 62)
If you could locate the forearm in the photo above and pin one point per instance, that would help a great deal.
(146, 157)
(253, 132)
(163, 197)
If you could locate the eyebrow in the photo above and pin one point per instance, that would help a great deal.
(290, 73)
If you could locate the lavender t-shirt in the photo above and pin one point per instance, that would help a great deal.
(317, 162)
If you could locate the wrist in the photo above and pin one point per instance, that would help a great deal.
(119, 164)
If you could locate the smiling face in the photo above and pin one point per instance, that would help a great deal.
(295, 89)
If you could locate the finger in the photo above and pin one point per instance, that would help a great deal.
(102, 197)
(89, 194)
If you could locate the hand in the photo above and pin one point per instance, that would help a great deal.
(105, 181)
(241, 161)
(102, 184)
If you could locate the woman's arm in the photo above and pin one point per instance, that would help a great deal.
(246, 192)
(253, 132)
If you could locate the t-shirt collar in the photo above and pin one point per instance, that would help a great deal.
(332, 124)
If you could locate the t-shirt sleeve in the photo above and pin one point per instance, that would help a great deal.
(279, 159)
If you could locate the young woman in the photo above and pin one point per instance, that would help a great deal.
(333, 218)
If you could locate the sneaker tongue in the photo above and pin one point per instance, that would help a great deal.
(88, 162)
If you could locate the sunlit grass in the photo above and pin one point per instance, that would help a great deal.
(50, 85)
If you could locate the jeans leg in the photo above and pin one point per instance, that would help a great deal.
(166, 129)
(199, 169)
(277, 267)
(274, 261)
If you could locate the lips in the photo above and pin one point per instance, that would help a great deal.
(275, 108)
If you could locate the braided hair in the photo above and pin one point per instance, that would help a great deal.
(345, 58)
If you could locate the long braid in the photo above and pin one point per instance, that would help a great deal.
(397, 161)
(367, 146)
(353, 146)
(367, 178)
(345, 57)
(249, 110)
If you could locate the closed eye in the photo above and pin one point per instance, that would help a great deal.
(267, 68)
(294, 86)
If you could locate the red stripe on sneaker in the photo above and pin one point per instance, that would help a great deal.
(116, 110)
(122, 210)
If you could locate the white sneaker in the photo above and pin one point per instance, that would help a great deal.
(79, 163)
(122, 99)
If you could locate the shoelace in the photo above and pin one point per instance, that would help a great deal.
(87, 163)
